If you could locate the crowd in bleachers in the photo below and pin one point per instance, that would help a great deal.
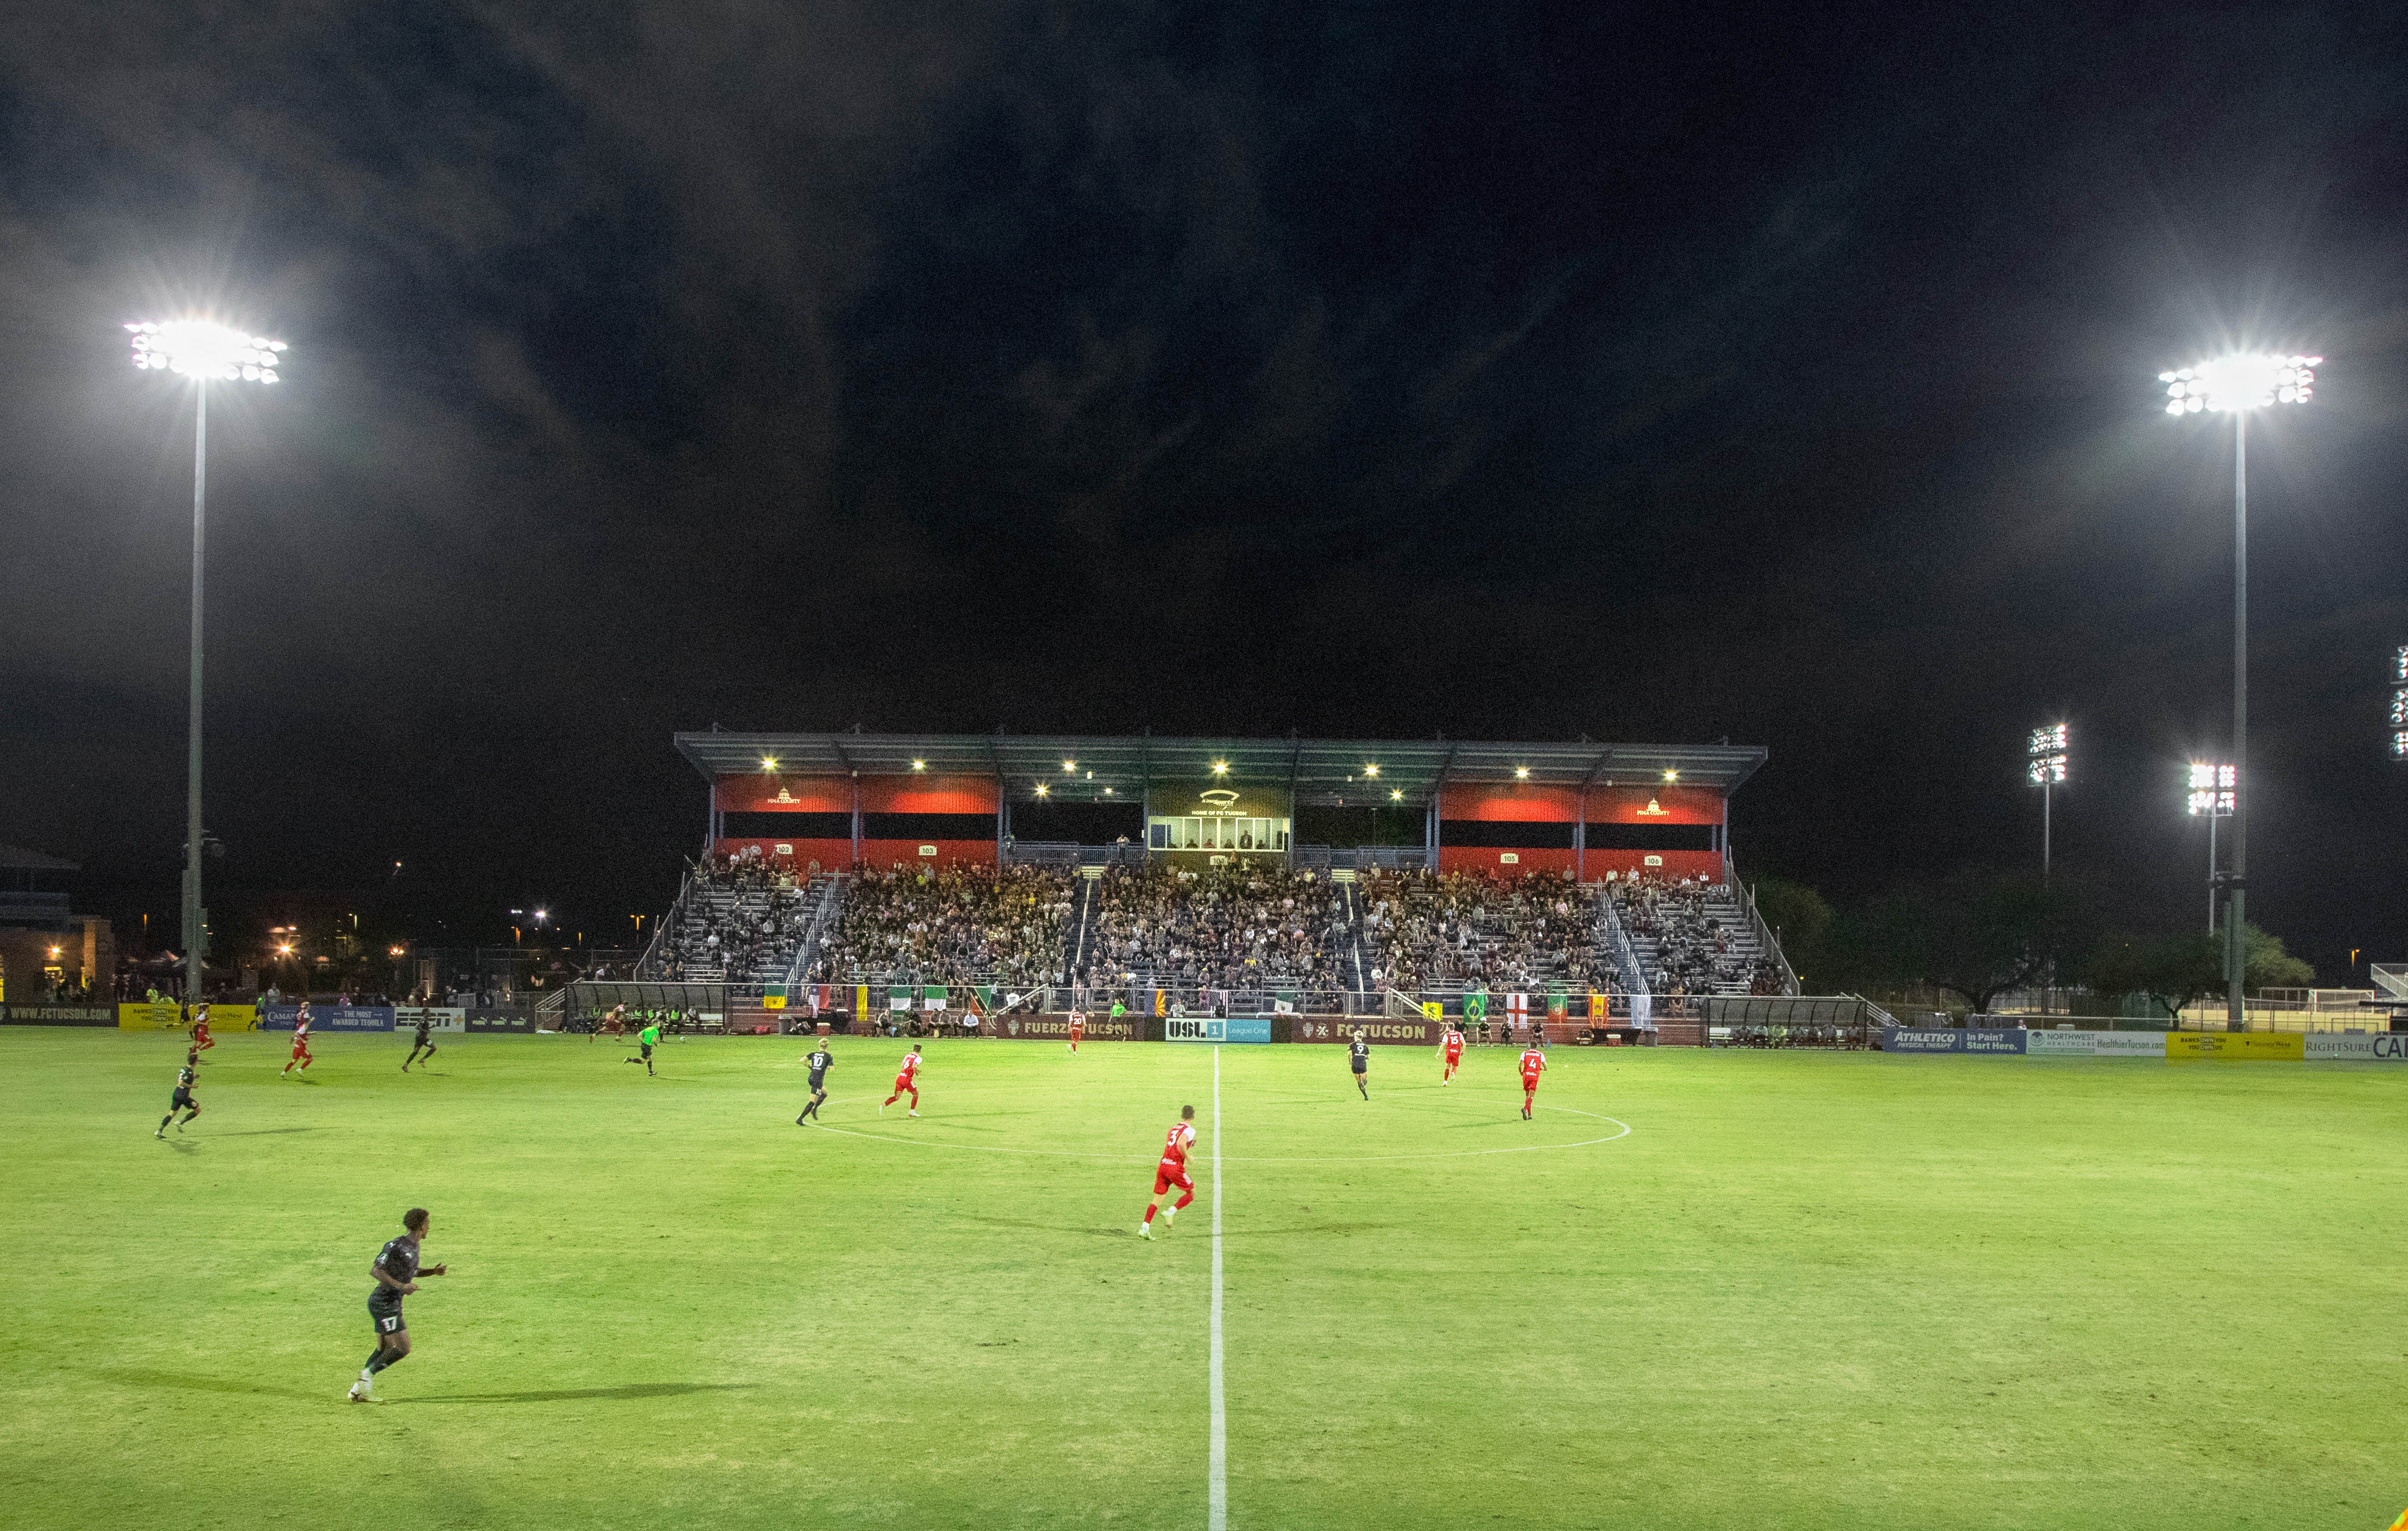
(1245, 926)
(948, 925)
(1423, 931)
(739, 920)
(1695, 926)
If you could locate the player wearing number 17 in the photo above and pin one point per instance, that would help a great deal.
(1533, 1063)
(1172, 1172)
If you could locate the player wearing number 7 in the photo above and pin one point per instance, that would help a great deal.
(1533, 1063)
(1172, 1171)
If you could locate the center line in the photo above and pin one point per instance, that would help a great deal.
(1217, 1515)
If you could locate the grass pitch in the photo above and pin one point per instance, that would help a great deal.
(1845, 1292)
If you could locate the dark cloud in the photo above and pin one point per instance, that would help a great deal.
(1493, 369)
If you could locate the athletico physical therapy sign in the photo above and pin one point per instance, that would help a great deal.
(1949, 1039)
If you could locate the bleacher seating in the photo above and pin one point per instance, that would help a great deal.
(948, 925)
(736, 920)
(1692, 938)
(1424, 931)
(1237, 927)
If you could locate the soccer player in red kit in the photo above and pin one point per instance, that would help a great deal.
(907, 1082)
(202, 1040)
(1078, 1028)
(1532, 1061)
(1453, 1050)
(300, 1043)
(1172, 1171)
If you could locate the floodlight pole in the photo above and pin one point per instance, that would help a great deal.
(2048, 790)
(2236, 1015)
(195, 931)
(2211, 871)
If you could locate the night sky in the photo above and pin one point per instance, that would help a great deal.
(1656, 373)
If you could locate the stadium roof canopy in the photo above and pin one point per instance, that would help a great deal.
(1322, 772)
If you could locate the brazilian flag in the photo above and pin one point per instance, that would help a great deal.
(1475, 1005)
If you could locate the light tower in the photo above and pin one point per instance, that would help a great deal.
(2236, 385)
(2044, 760)
(2213, 793)
(204, 353)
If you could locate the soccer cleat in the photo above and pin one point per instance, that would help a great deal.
(1145, 1230)
(180, 1126)
(360, 1394)
(882, 1106)
(798, 1121)
(1169, 1213)
(160, 1132)
(910, 1112)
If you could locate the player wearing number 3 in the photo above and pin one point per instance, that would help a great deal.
(1172, 1172)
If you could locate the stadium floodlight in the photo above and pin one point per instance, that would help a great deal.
(205, 351)
(2237, 385)
(1042, 790)
(1521, 773)
(2400, 704)
(2044, 763)
(769, 762)
(1220, 768)
(2215, 792)
(1395, 794)
(1373, 772)
(1069, 766)
(919, 765)
(1672, 776)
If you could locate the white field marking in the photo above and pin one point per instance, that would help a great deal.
(1234, 1159)
(1216, 1515)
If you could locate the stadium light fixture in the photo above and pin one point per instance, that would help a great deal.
(769, 762)
(2045, 762)
(1108, 791)
(205, 351)
(1373, 772)
(1220, 768)
(1672, 776)
(919, 765)
(1395, 794)
(1069, 766)
(2236, 385)
(1521, 773)
(1042, 789)
(2214, 795)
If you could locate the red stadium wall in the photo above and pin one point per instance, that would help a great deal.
(918, 794)
(1482, 859)
(1654, 805)
(765, 793)
(1521, 802)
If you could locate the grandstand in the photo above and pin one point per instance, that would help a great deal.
(1234, 875)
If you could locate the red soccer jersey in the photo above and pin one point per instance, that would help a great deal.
(1453, 1046)
(910, 1065)
(1174, 1146)
(1532, 1061)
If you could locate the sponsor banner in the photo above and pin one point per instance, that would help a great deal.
(328, 1017)
(1215, 1029)
(1057, 1028)
(2054, 1043)
(2237, 1046)
(496, 1021)
(2130, 1044)
(439, 1018)
(165, 1015)
(2380, 1047)
(58, 1015)
(2001, 1041)
(1384, 1030)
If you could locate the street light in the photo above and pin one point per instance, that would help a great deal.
(2213, 796)
(2044, 760)
(2235, 385)
(205, 352)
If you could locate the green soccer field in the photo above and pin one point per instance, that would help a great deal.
(1701, 1289)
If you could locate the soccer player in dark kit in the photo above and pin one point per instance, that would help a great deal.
(425, 1028)
(183, 1099)
(818, 1061)
(1358, 1058)
(396, 1271)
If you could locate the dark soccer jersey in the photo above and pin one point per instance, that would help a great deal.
(425, 1025)
(185, 1077)
(399, 1260)
(1360, 1051)
(818, 1062)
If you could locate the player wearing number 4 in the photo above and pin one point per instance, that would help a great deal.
(1533, 1061)
(1172, 1172)
(1451, 1050)
(907, 1082)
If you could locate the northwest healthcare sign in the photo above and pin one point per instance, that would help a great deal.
(2178, 1047)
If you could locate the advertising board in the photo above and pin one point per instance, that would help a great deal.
(439, 1018)
(2055, 1044)
(2002, 1041)
(496, 1021)
(1387, 1030)
(1215, 1029)
(2130, 1044)
(1017, 1025)
(2236, 1046)
(2379, 1047)
(58, 1015)
(165, 1015)
(328, 1017)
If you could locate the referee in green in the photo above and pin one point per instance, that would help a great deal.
(645, 1041)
